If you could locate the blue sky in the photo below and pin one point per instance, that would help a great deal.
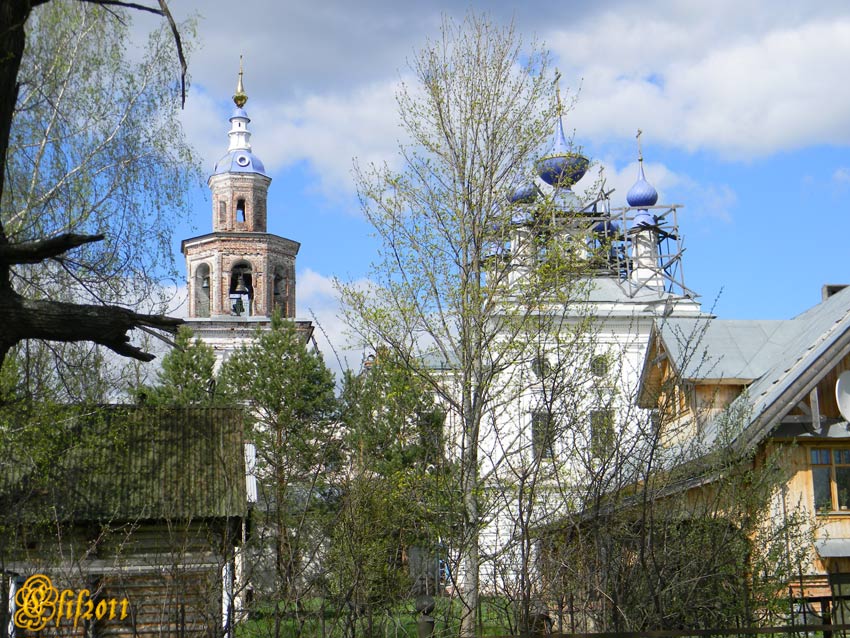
(744, 107)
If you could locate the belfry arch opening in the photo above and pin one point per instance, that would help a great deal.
(241, 292)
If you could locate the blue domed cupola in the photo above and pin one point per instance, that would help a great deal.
(647, 271)
(642, 194)
(561, 167)
(239, 183)
(524, 193)
(239, 158)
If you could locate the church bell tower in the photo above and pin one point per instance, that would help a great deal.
(239, 274)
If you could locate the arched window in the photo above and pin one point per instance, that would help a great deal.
(241, 291)
(240, 210)
(202, 291)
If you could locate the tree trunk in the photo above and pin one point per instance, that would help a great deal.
(13, 16)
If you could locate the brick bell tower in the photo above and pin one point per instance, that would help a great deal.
(239, 274)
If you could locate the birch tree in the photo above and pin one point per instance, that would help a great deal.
(94, 171)
(445, 299)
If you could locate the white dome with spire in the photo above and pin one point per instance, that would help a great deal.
(239, 158)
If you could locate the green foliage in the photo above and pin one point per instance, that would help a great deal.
(96, 147)
(667, 556)
(395, 505)
(283, 383)
(186, 376)
(365, 561)
(391, 420)
(289, 392)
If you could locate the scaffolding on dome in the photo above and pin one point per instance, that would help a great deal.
(611, 236)
(612, 251)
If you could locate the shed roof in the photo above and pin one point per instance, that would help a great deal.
(129, 463)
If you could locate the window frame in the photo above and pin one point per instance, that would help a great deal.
(602, 443)
(816, 462)
(599, 366)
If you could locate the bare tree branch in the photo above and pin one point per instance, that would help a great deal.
(33, 252)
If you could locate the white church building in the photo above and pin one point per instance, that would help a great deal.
(569, 409)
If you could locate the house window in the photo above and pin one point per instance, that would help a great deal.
(601, 432)
(831, 479)
(542, 435)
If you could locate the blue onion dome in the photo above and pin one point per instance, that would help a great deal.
(642, 194)
(561, 167)
(523, 194)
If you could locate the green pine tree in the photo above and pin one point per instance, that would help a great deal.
(186, 377)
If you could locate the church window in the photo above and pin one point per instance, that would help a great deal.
(240, 210)
(599, 366)
(541, 367)
(831, 479)
(542, 435)
(222, 212)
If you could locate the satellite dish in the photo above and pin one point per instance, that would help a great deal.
(842, 394)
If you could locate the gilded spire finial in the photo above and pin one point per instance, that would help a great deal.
(240, 97)
(640, 153)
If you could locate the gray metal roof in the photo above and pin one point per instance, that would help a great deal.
(720, 349)
(779, 361)
(824, 337)
(815, 341)
(605, 290)
(833, 547)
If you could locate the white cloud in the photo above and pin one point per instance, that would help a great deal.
(687, 74)
(841, 175)
(327, 131)
(741, 95)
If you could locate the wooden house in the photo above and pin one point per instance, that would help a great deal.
(133, 507)
(751, 387)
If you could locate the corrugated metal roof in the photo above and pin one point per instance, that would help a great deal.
(128, 463)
